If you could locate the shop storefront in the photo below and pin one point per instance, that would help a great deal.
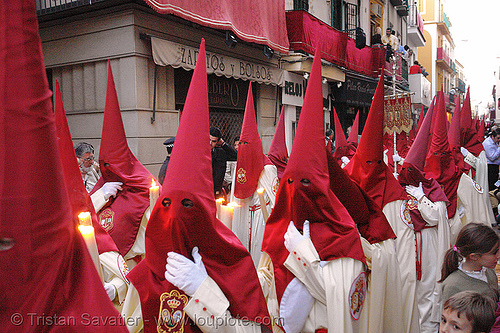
(353, 96)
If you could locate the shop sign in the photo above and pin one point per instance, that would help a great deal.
(177, 55)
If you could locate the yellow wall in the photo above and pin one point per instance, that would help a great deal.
(426, 9)
(425, 55)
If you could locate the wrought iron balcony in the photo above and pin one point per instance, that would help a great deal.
(415, 27)
(461, 85)
(51, 6)
(443, 60)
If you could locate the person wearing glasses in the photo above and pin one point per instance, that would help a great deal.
(88, 167)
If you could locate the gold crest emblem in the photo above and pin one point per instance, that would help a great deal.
(106, 219)
(412, 202)
(357, 295)
(171, 316)
(276, 185)
(241, 176)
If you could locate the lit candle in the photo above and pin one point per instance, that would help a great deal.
(154, 193)
(218, 203)
(226, 214)
(87, 231)
(263, 206)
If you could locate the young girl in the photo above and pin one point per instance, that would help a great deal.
(469, 265)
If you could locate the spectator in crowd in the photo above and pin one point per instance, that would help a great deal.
(221, 153)
(492, 151)
(390, 39)
(468, 311)
(415, 68)
(169, 144)
(377, 37)
(88, 167)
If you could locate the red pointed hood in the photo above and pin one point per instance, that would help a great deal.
(250, 162)
(439, 164)
(354, 136)
(454, 137)
(278, 153)
(454, 131)
(367, 167)
(341, 145)
(466, 121)
(340, 140)
(305, 194)
(421, 117)
(368, 216)
(46, 268)
(78, 196)
(481, 130)
(412, 171)
(184, 217)
(123, 214)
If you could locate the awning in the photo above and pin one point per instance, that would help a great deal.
(261, 22)
(177, 55)
(306, 32)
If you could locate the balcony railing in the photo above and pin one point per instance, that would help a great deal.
(460, 85)
(52, 6)
(446, 21)
(441, 55)
(415, 19)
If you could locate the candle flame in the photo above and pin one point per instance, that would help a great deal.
(260, 190)
(84, 218)
(233, 204)
(83, 215)
(153, 183)
(220, 200)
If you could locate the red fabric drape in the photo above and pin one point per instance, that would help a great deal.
(306, 33)
(261, 22)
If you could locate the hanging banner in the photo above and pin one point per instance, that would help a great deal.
(397, 115)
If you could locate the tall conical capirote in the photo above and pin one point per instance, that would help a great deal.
(43, 257)
(184, 218)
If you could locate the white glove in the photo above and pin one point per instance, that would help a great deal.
(396, 158)
(294, 237)
(464, 151)
(344, 159)
(110, 189)
(185, 274)
(110, 290)
(416, 192)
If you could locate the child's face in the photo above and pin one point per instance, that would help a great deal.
(451, 323)
(489, 260)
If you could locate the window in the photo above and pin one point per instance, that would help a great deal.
(301, 5)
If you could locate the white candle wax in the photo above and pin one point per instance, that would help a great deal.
(263, 206)
(87, 231)
(226, 215)
(154, 193)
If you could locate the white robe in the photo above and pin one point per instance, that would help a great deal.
(248, 220)
(405, 249)
(471, 194)
(330, 284)
(208, 309)
(384, 300)
(435, 241)
(480, 164)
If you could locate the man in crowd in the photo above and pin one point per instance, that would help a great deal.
(492, 151)
(169, 144)
(390, 38)
(88, 167)
(221, 153)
